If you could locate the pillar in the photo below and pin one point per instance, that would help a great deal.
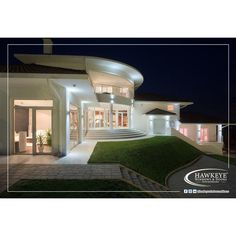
(198, 139)
(151, 125)
(219, 134)
(111, 115)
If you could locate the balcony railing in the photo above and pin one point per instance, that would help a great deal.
(110, 89)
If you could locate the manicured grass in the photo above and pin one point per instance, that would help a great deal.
(154, 157)
(224, 158)
(73, 185)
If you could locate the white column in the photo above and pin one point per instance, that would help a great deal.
(151, 125)
(129, 112)
(111, 116)
(219, 134)
(198, 139)
(177, 124)
(81, 122)
(167, 125)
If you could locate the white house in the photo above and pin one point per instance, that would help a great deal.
(59, 101)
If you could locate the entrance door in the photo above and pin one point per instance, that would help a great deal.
(23, 136)
(122, 119)
(159, 126)
(42, 131)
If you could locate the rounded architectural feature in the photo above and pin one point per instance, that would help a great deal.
(115, 68)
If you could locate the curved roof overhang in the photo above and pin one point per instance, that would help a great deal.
(85, 63)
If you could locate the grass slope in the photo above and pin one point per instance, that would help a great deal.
(73, 185)
(154, 157)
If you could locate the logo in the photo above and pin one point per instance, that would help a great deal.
(206, 177)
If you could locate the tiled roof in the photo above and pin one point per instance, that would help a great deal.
(158, 111)
(38, 69)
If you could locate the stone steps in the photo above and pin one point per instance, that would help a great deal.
(145, 184)
(114, 134)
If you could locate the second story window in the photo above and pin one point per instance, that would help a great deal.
(170, 107)
(124, 92)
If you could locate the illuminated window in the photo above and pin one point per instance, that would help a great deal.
(170, 107)
(107, 89)
(98, 89)
(124, 92)
(204, 135)
(184, 131)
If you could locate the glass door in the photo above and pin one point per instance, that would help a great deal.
(42, 131)
(23, 130)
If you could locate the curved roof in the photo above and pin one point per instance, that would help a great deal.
(87, 63)
(158, 111)
(115, 68)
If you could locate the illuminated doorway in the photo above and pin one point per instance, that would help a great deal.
(33, 126)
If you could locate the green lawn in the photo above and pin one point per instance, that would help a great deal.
(154, 157)
(73, 185)
(224, 158)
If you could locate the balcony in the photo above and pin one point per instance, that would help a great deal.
(115, 90)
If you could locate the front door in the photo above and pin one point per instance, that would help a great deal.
(33, 130)
(42, 131)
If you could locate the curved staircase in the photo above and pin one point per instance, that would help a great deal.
(114, 134)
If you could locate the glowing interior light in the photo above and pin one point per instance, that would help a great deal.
(170, 107)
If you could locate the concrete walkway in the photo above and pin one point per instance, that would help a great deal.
(78, 155)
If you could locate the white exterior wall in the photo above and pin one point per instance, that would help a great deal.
(141, 121)
(38, 89)
(3, 116)
(193, 131)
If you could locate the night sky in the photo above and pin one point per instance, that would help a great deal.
(195, 73)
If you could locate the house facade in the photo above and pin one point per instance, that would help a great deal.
(55, 102)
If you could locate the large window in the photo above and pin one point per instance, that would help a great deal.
(183, 131)
(99, 117)
(204, 135)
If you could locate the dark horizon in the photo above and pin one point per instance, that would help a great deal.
(195, 73)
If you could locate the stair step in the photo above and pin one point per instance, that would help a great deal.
(114, 134)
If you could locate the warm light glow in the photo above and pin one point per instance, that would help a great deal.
(204, 135)
(184, 131)
(170, 107)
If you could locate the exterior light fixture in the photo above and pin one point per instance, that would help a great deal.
(112, 96)
(112, 101)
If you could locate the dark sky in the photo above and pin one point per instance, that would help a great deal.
(196, 73)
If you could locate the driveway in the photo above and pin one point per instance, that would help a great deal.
(176, 180)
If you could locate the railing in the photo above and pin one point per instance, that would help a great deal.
(110, 89)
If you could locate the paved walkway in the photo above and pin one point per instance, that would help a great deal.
(78, 155)
(176, 181)
(38, 171)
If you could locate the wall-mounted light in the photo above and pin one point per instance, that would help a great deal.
(112, 101)
(112, 96)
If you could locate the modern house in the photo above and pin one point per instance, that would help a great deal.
(57, 101)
